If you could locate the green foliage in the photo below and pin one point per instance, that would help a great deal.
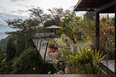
(56, 14)
(82, 44)
(10, 50)
(66, 39)
(38, 14)
(26, 62)
(84, 57)
(60, 43)
(59, 72)
(25, 30)
(49, 23)
(80, 61)
(97, 57)
(20, 46)
(21, 57)
(51, 43)
(83, 61)
(113, 20)
(64, 44)
(70, 25)
(3, 43)
(107, 35)
(88, 30)
(90, 15)
(3, 66)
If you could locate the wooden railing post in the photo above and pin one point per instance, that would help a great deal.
(97, 32)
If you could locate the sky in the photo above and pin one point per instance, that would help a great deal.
(10, 9)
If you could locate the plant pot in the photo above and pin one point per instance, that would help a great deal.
(51, 46)
(57, 54)
(50, 49)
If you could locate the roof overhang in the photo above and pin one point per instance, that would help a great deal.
(96, 5)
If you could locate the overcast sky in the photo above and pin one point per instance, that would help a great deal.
(10, 9)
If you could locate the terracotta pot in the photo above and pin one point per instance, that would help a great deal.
(51, 46)
(49, 50)
(57, 54)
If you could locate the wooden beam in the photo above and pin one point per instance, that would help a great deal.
(75, 7)
(97, 31)
(100, 9)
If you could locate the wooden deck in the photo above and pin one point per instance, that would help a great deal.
(66, 75)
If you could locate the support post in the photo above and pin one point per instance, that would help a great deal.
(97, 32)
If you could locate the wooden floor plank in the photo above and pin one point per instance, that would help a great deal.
(66, 75)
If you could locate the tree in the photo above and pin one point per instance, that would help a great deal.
(25, 60)
(70, 24)
(10, 53)
(113, 20)
(90, 15)
(49, 23)
(27, 63)
(3, 43)
(87, 27)
(25, 30)
(10, 50)
(39, 15)
(56, 14)
(2, 63)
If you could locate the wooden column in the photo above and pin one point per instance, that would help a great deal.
(97, 32)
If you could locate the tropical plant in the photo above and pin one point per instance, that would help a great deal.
(80, 62)
(107, 40)
(51, 44)
(88, 30)
(97, 57)
(83, 61)
(70, 25)
(83, 57)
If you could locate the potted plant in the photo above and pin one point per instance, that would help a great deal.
(57, 54)
(50, 47)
